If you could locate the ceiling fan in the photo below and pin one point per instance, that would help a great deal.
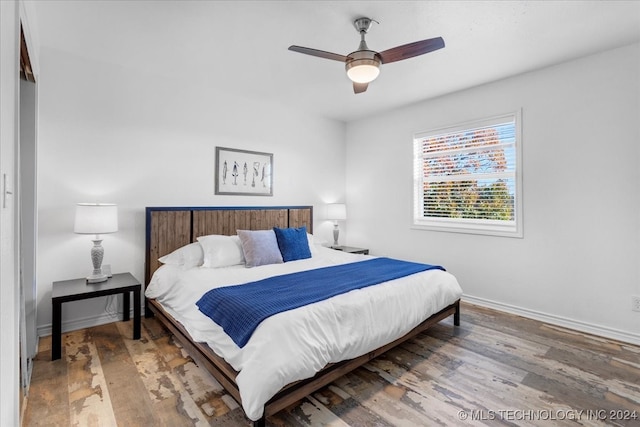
(363, 65)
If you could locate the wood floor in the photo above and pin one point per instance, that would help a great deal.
(495, 369)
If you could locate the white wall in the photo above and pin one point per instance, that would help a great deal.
(578, 263)
(111, 134)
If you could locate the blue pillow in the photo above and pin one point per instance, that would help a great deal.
(293, 243)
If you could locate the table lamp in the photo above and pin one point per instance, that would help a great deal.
(96, 218)
(336, 212)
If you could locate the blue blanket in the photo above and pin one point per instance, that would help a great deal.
(239, 309)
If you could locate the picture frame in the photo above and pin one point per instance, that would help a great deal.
(243, 172)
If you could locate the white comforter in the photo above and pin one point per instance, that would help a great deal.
(296, 344)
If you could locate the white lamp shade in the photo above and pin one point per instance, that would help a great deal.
(337, 211)
(96, 218)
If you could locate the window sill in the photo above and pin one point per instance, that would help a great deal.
(469, 228)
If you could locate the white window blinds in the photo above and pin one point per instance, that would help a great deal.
(466, 177)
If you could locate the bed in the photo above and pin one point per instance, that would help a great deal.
(314, 364)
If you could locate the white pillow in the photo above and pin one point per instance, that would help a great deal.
(221, 251)
(260, 247)
(313, 244)
(187, 256)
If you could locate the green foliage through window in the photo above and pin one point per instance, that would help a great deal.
(466, 199)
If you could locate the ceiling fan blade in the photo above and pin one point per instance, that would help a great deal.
(359, 87)
(318, 53)
(411, 49)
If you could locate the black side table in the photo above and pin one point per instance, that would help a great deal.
(78, 289)
(351, 249)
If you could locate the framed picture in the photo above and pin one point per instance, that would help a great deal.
(243, 172)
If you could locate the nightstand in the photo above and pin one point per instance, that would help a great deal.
(78, 289)
(351, 249)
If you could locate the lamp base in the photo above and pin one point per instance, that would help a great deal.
(97, 278)
(97, 252)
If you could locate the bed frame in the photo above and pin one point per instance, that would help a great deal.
(168, 228)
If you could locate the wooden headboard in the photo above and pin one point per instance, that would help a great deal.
(168, 228)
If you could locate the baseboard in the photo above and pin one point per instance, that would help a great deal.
(83, 323)
(564, 322)
(589, 328)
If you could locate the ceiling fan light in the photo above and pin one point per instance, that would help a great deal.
(363, 70)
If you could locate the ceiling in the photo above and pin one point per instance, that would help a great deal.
(241, 46)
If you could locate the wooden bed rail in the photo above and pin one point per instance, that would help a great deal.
(293, 392)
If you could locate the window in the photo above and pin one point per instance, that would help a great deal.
(467, 178)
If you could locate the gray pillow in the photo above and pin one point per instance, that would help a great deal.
(260, 247)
